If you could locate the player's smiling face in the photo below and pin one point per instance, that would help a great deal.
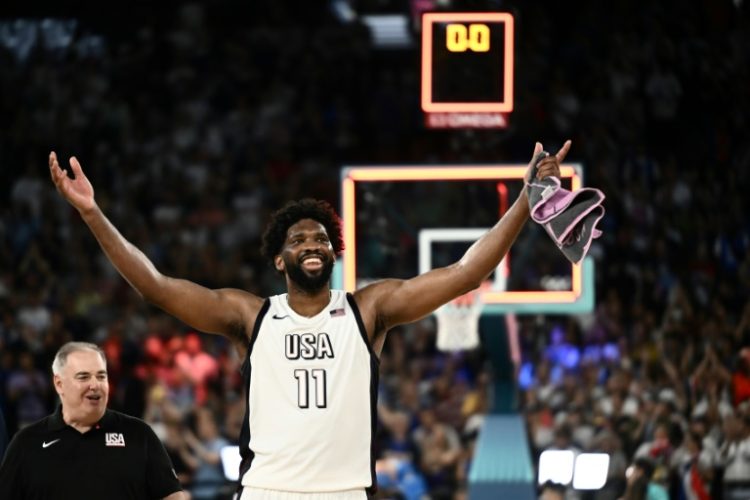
(307, 255)
(83, 386)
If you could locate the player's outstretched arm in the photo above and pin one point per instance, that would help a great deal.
(396, 302)
(226, 311)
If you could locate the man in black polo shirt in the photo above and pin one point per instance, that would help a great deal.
(83, 450)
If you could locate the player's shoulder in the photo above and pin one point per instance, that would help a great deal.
(242, 298)
(370, 298)
(240, 293)
(376, 289)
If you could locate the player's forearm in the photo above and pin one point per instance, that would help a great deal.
(129, 261)
(485, 254)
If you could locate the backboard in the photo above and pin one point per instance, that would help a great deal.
(403, 220)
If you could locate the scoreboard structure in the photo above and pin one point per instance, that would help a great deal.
(467, 69)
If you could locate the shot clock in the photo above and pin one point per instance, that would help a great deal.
(467, 69)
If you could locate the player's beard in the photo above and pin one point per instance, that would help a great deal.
(310, 282)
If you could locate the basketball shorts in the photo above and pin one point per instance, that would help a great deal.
(249, 493)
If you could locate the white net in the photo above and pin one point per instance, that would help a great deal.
(458, 323)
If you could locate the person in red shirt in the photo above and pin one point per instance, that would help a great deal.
(197, 365)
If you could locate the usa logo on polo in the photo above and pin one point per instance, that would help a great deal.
(114, 439)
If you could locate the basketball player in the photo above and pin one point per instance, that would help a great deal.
(311, 354)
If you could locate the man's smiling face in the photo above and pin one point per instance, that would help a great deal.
(83, 387)
(307, 255)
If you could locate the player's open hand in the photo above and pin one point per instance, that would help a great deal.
(550, 165)
(78, 191)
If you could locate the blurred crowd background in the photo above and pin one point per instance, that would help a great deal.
(194, 121)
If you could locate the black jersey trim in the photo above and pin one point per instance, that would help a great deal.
(361, 325)
(374, 381)
(256, 328)
(246, 453)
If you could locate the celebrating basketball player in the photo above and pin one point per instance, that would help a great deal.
(311, 354)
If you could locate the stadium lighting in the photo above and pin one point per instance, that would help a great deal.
(585, 471)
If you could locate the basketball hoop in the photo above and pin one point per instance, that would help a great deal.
(458, 321)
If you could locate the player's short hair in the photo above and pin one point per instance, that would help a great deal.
(67, 349)
(293, 212)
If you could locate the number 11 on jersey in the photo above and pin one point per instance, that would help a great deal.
(303, 387)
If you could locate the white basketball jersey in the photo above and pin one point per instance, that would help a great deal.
(312, 389)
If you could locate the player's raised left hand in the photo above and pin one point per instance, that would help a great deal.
(549, 166)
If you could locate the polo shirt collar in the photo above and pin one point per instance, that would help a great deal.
(57, 423)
